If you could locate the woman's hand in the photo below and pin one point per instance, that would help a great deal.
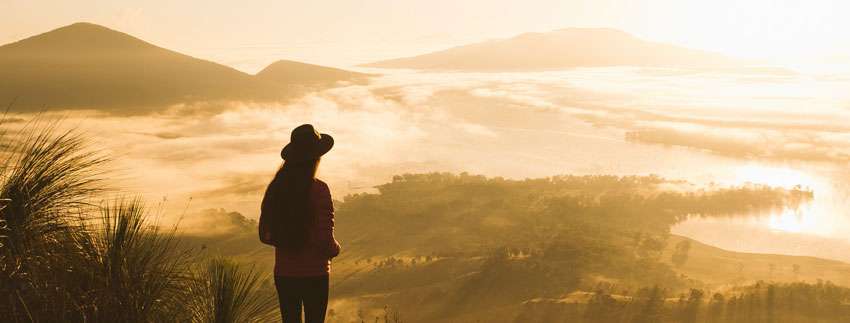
(266, 237)
(333, 249)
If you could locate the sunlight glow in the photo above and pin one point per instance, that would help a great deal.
(806, 219)
(772, 176)
(767, 28)
(794, 221)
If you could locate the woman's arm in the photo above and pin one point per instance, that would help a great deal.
(266, 211)
(323, 206)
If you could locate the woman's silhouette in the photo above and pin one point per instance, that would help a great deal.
(297, 218)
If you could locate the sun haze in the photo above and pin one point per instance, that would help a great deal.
(387, 161)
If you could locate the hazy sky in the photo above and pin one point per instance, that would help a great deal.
(253, 33)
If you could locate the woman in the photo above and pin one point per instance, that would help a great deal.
(297, 218)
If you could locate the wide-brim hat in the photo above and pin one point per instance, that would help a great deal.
(305, 143)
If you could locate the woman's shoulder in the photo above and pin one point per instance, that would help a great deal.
(319, 185)
(322, 195)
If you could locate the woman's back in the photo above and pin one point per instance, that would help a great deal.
(315, 258)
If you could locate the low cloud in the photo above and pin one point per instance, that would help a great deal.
(516, 125)
(764, 144)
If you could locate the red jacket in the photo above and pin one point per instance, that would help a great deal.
(315, 258)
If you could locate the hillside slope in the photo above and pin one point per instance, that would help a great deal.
(718, 267)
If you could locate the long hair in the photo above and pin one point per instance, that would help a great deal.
(286, 204)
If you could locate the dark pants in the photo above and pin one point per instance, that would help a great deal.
(311, 292)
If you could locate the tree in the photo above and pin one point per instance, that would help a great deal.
(680, 256)
(651, 248)
(715, 308)
(771, 304)
(602, 308)
(653, 308)
(692, 306)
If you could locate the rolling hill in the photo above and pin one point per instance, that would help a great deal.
(560, 49)
(718, 267)
(293, 73)
(90, 66)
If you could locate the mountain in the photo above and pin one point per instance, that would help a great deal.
(560, 49)
(90, 66)
(296, 73)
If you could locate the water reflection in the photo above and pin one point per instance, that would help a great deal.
(815, 228)
(799, 220)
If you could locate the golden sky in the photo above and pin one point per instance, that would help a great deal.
(251, 33)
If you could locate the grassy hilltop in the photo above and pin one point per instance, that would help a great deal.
(436, 247)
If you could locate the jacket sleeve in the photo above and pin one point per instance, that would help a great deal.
(323, 206)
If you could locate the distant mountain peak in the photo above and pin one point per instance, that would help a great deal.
(285, 64)
(602, 30)
(84, 25)
(574, 34)
(80, 36)
(80, 28)
(292, 72)
(560, 49)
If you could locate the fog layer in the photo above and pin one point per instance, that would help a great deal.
(710, 128)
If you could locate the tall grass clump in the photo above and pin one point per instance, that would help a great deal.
(225, 292)
(66, 258)
(139, 271)
(49, 177)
